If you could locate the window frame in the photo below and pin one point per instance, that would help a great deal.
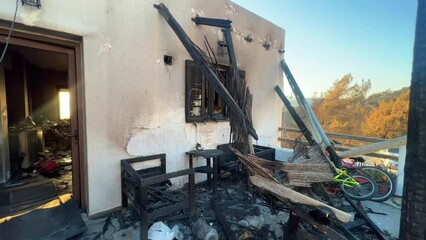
(207, 92)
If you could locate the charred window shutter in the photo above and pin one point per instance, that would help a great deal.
(194, 93)
(202, 102)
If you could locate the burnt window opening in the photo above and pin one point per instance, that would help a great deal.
(202, 102)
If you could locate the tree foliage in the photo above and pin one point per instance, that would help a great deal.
(340, 109)
(389, 119)
(345, 108)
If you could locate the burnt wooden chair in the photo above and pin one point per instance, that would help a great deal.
(145, 189)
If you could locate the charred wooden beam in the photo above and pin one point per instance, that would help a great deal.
(326, 230)
(364, 215)
(395, 142)
(338, 135)
(305, 131)
(222, 220)
(291, 227)
(237, 86)
(205, 69)
(348, 234)
(305, 106)
(288, 195)
(307, 170)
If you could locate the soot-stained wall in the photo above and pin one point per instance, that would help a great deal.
(134, 103)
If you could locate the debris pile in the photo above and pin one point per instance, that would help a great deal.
(248, 213)
(304, 167)
(293, 189)
(48, 155)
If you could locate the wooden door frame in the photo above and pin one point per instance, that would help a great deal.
(71, 45)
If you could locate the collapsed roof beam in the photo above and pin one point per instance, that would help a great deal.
(317, 130)
(213, 22)
(205, 69)
(305, 131)
(225, 24)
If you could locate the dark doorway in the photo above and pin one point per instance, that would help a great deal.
(41, 77)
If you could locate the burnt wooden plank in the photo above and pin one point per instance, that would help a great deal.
(288, 195)
(165, 177)
(228, 232)
(326, 230)
(291, 227)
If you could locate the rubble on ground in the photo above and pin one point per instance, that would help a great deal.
(249, 213)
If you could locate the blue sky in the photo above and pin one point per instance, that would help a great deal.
(326, 39)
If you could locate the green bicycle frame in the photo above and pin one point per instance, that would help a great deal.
(343, 176)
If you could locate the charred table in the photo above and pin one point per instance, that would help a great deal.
(208, 155)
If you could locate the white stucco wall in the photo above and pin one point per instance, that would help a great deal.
(134, 103)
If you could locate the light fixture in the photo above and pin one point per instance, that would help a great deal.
(64, 104)
(33, 3)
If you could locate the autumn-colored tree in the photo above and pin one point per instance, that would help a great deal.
(389, 119)
(340, 109)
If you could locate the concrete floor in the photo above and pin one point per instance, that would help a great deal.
(387, 215)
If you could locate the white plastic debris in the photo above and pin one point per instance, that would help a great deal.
(160, 231)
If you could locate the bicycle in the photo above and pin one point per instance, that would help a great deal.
(357, 187)
(385, 182)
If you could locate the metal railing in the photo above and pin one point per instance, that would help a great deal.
(346, 137)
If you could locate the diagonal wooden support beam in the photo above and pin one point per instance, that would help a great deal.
(206, 70)
(395, 142)
(288, 195)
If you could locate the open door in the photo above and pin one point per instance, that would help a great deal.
(51, 73)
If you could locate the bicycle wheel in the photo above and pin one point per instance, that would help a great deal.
(385, 183)
(364, 190)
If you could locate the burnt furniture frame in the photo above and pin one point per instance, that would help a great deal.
(208, 155)
(137, 186)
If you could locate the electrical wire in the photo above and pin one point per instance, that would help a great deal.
(10, 32)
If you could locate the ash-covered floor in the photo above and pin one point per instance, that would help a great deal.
(249, 214)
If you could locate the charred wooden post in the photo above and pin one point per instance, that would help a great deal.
(288, 195)
(237, 88)
(291, 226)
(202, 65)
(222, 220)
(324, 229)
(317, 129)
(364, 215)
(303, 128)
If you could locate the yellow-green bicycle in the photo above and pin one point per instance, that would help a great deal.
(357, 187)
